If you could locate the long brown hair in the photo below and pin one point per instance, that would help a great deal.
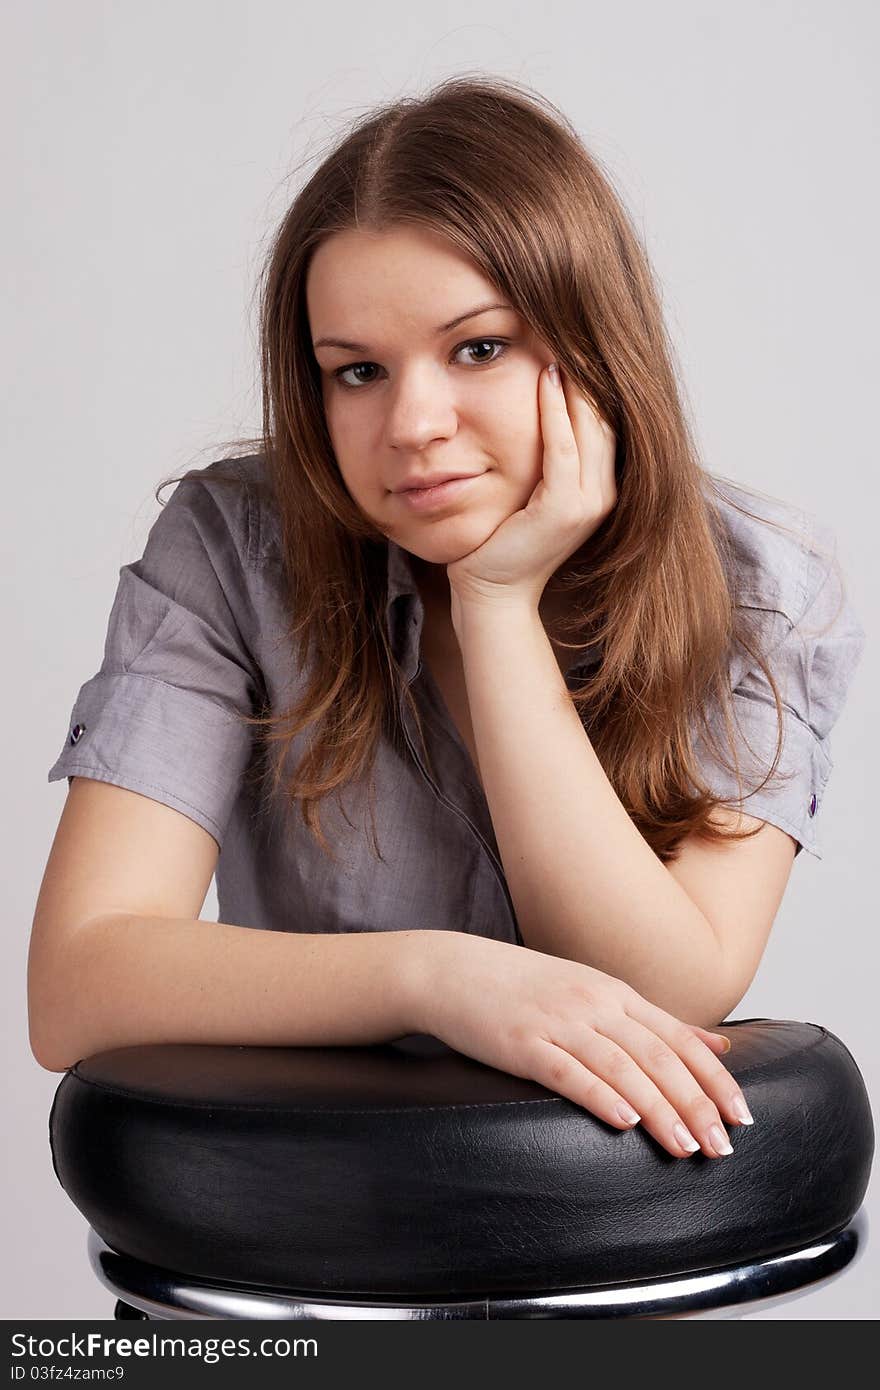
(501, 173)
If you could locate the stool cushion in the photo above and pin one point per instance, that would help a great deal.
(407, 1168)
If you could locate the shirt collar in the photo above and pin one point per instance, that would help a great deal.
(400, 575)
(404, 624)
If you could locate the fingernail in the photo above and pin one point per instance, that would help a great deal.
(727, 1045)
(719, 1140)
(553, 373)
(741, 1111)
(627, 1114)
(685, 1138)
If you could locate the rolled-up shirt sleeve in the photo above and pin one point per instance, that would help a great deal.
(813, 654)
(162, 716)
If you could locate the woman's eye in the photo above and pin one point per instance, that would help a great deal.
(483, 343)
(497, 345)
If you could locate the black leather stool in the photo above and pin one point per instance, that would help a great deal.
(407, 1181)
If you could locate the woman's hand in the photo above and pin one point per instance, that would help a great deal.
(582, 1033)
(573, 498)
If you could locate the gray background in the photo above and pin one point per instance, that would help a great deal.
(148, 154)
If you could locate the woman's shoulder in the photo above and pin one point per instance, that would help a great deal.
(233, 493)
(790, 580)
(776, 552)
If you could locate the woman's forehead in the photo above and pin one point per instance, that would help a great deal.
(357, 270)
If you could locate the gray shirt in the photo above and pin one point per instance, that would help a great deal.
(196, 635)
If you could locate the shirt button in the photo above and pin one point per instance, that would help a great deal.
(813, 804)
(76, 733)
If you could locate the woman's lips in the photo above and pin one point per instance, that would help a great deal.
(426, 498)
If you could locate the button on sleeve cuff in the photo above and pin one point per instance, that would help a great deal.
(170, 744)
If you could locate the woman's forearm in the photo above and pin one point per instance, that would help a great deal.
(584, 882)
(123, 980)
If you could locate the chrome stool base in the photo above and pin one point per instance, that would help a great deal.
(145, 1291)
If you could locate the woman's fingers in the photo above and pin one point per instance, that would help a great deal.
(709, 1070)
(559, 1070)
(599, 1075)
(675, 1085)
(678, 1093)
(718, 1042)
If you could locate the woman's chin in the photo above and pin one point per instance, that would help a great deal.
(444, 542)
(442, 554)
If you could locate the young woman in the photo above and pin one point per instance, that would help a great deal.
(473, 581)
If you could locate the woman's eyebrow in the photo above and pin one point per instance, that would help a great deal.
(444, 328)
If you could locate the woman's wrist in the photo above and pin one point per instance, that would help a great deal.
(426, 970)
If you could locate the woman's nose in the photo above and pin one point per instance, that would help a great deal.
(420, 408)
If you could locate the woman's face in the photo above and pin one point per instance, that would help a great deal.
(409, 399)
